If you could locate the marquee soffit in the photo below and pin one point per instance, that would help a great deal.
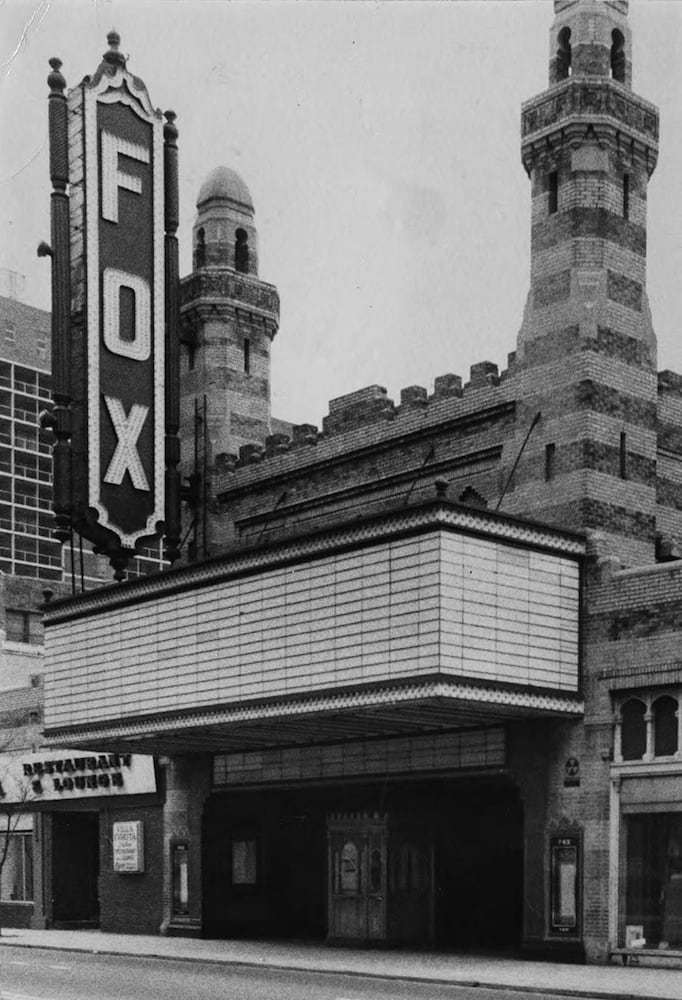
(409, 709)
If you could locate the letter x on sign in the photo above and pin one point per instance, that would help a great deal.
(125, 458)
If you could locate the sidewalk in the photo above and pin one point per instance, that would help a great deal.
(572, 980)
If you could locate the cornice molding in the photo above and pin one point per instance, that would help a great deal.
(434, 516)
(221, 288)
(620, 119)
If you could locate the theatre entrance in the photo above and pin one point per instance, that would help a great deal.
(437, 862)
(75, 869)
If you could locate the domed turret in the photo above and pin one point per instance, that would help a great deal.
(225, 184)
(224, 233)
(229, 316)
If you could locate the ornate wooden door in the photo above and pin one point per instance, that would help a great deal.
(357, 877)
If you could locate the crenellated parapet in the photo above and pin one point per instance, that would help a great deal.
(371, 455)
(371, 411)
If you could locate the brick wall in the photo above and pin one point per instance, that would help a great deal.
(132, 903)
(372, 456)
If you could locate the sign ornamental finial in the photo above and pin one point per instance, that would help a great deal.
(113, 56)
(56, 81)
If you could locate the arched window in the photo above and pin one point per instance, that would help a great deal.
(618, 55)
(563, 54)
(241, 251)
(200, 249)
(665, 726)
(633, 730)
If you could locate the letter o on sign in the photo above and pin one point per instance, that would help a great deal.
(138, 349)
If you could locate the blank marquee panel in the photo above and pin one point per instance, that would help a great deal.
(464, 607)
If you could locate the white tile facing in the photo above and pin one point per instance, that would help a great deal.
(467, 606)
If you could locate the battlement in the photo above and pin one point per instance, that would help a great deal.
(367, 416)
(669, 383)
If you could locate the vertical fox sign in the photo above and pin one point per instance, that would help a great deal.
(115, 312)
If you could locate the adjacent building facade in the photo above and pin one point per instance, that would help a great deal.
(418, 678)
(32, 564)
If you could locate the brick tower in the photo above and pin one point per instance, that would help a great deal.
(229, 318)
(586, 352)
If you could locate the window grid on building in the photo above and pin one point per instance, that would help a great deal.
(27, 547)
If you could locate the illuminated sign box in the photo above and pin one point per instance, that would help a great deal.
(115, 311)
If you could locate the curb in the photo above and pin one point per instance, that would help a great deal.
(585, 994)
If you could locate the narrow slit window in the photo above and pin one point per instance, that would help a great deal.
(550, 454)
(247, 355)
(623, 456)
(626, 196)
(200, 249)
(553, 205)
(563, 54)
(241, 251)
(618, 55)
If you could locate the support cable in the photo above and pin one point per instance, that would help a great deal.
(532, 427)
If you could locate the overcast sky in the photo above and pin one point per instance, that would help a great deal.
(380, 143)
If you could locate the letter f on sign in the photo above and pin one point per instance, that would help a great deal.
(126, 458)
(113, 177)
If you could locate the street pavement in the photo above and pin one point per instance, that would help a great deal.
(588, 981)
(43, 974)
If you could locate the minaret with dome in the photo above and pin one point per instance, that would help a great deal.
(229, 318)
(224, 231)
(586, 351)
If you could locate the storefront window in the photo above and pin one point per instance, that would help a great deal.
(654, 879)
(16, 879)
(665, 726)
(633, 738)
